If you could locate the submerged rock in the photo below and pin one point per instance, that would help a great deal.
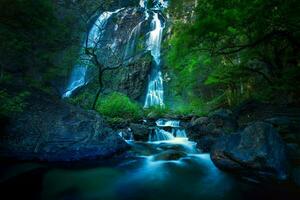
(257, 151)
(169, 155)
(50, 129)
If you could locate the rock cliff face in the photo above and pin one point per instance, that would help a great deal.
(131, 79)
(123, 40)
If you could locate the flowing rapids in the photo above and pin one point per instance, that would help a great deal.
(168, 166)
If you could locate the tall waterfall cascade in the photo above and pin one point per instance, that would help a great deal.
(78, 76)
(155, 91)
(153, 16)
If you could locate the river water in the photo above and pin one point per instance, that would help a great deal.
(165, 167)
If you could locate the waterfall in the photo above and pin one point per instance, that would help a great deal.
(179, 133)
(143, 3)
(130, 47)
(127, 136)
(79, 72)
(167, 123)
(155, 91)
(160, 134)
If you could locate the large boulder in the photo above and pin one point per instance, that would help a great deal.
(140, 131)
(50, 129)
(224, 119)
(169, 155)
(257, 151)
(206, 130)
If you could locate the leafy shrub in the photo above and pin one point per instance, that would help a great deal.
(198, 108)
(117, 105)
(84, 99)
(157, 111)
(12, 104)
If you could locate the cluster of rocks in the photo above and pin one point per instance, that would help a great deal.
(260, 149)
(50, 129)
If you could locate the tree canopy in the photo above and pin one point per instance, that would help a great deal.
(235, 50)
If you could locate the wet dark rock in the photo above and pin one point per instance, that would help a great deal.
(223, 119)
(206, 130)
(293, 151)
(258, 151)
(205, 143)
(296, 176)
(49, 129)
(144, 148)
(282, 124)
(169, 155)
(200, 121)
(140, 132)
(125, 133)
(168, 146)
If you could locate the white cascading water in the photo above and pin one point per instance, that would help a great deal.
(128, 136)
(155, 91)
(161, 135)
(167, 123)
(130, 47)
(179, 133)
(79, 72)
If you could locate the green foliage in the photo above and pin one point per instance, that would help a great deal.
(198, 108)
(84, 99)
(150, 3)
(157, 111)
(29, 31)
(117, 105)
(230, 51)
(12, 104)
(35, 39)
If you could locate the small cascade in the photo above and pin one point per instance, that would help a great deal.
(169, 132)
(79, 72)
(127, 135)
(160, 134)
(167, 123)
(179, 133)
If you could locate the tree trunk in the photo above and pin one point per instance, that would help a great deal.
(100, 88)
(96, 98)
